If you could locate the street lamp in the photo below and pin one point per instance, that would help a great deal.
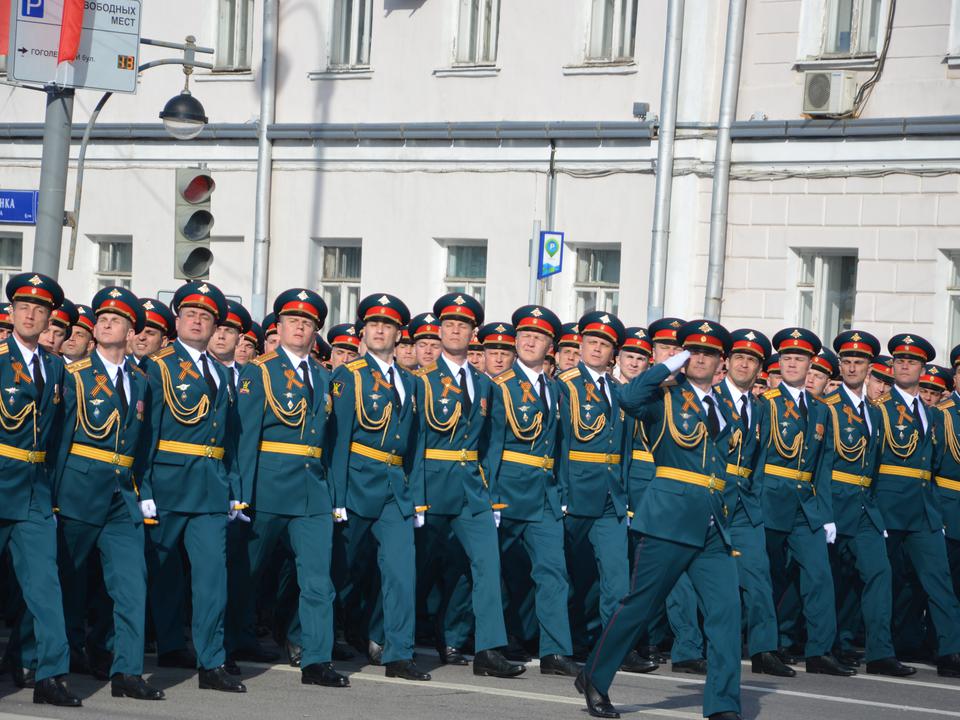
(183, 116)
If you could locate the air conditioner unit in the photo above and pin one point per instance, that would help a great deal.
(828, 92)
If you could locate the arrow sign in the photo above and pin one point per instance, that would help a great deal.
(551, 254)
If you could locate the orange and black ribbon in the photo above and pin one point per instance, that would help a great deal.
(18, 373)
(103, 383)
(591, 391)
(449, 386)
(527, 394)
(379, 382)
(690, 402)
(293, 380)
(790, 411)
(186, 368)
(903, 415)
(852, 415)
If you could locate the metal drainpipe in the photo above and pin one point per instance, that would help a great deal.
(268, 106)
(721, 167)
(670, 85)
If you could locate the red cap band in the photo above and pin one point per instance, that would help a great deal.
(535, 323)
(299, 307)
(796, 344)
(201, 301)
(704, 341)
(157, 320)
(382, 311)
(84, 321)
(855, 348)
(118, 308)
(910, 350)
(352, 340)
(457, 312)
(604, 330)
(747, 346)
(33, 294)
(820, 363)
(634, 343)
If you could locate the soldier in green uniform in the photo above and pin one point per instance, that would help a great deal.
(251, 342)
(284, 403)
(31, 410)
(345, 344)
(681, 519)
(190, 486)
(270, 339)
(376, 421)
(405, 352)
(499, 347)
(936, 384)
(796, 509)
(910, 451)
(159, 329)
(62, 320)
(79, 343)
(823, 368)
(568, 347)
(223, 344)
(475, 354)
(106, 401)
(880, 379)
(454, 402)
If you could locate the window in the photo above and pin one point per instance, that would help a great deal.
(953, 290)
(467, 270)
(350, 43)
(234, 36)
(851, 27)
(477, 32)
(114, 260)
(11, 255)
(953, 49)
(340, 280)
(597, 282)
(613, 30)
(827, 289)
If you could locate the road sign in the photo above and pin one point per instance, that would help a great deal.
(551, 254)
(109, 45)
(18, 207)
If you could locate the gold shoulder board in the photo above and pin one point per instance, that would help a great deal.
(504, 376)
(162, 353)
(832, 399)
(265, 358)
(771, 394)
(946, 404)
(357, 364)
(79, 365)
(570, 374)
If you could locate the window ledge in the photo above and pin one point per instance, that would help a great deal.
(352, 73)
(952, 61)
(224, 76)
(628, 67)
(862, 63)
(482, 71)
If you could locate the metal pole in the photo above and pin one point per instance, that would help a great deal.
(721, 167)
(268, 104)
(670, 89)
(534, 289)
(53, 181)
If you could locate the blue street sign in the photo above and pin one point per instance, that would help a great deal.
(551, 254)
(18, 207)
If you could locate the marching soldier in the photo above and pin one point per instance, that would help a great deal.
(851, 448)
(106, 398)
(796, 510)
(79, 343)
(159, 329)
(425, 331)
(250, 345)
(376, 424)
(62, 319)
(519, 461)
(499, 347)
(681, 518)
(226, 338)
(880, 379)
(189, 485)
(935, 385)
(270, 340)
(948, 473)
(6, 321)
(772, 368)
(475, 354)
(406, 354)
(568, 347)
(283, 404)
(823, 368)
(454, 401)
(32, 382)
(910, 449)
(345, 343)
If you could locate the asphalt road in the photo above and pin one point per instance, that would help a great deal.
(276, 692)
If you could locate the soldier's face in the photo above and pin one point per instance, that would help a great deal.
(568, 357)
(774, 380)
(497, 360)
(632, 364)
(794, 368)
(853, 371)
(475, 358)
(223, 344)
(427, 351)
(195, 326)
(742, 369)
(406, 356)
(271, 343)
(297, 333)
(455, 336)
(381, 336)
(596, 353)
(79, 344)
(30, 320)
(148, 341)
(816, 381)
(531, 348)
(703, 365)
(341, 356)
(52, 338)
(112, 330)
(246, 351)
(906, 372)
(662, 351)
(876, 387)
(929, 396)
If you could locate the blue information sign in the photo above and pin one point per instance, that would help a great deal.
(18, 207)
(551, 254)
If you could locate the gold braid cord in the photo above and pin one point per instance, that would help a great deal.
(952, 443)
(183, 414)
(582, 431)
(528, 433)
(92, 430)
(686, 441)
(11, 422)
(901, 450)
(291, 418)
(434, 423)
(736, 441)
(787, 452)
(848, 453)
(363, 419)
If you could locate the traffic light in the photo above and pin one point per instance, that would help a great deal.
(193, 219)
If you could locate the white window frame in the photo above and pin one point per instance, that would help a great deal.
(235, 33)
(474, 35)
(7, 271)
(341, 286)
(818, 287)
(474, 286)
(355, 55)
(953, 49)
(608, 294)
(623, 32)
(104, 278)
(816, 20)
(953, 298)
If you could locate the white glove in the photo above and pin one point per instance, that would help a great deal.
(236, 512)
(885, 534)
(496, 518)
(676, 362)
(628, 521)
(339, 515)
(148, 508)
(563, 509)
(831, 530)
(419, 520)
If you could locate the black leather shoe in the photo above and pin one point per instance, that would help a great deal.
(558, 665)
(257, 654)
(598, 703)
(515, 652)
(693, 667)
(849, 659)
(219, 679)
(725, 715)
(181, 658)
(295, 654)
(406, 670)
(133, 686)
(889, 666)
(949, 665)
(634, 662)
(24, 677)
(341, 652)
(788, 657)
(770, 664)
(652, 652)
(232, 668)
(53, 691)
(451, 656)
(828, 665)
(323, 674)
(375, 653)
(493, 664)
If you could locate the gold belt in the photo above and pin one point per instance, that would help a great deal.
(851, 479)
(545, 463)
(451, 455)
(711, 482)
(185, 448)
(105, 456)
(389, 458)
(283, 448)
(644, 455)
(907, 472)
(743, 472)
(15, 453)
(947, 483)
(788, 473)
(594, 457)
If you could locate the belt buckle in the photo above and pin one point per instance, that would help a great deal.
(116, 459)
(545, 462)
(864, 481)
(208, 451)
(311, 451)
(713, 482)
(608, 458)
(463, 455)
(32, 456)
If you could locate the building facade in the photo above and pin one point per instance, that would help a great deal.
(417, 142)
